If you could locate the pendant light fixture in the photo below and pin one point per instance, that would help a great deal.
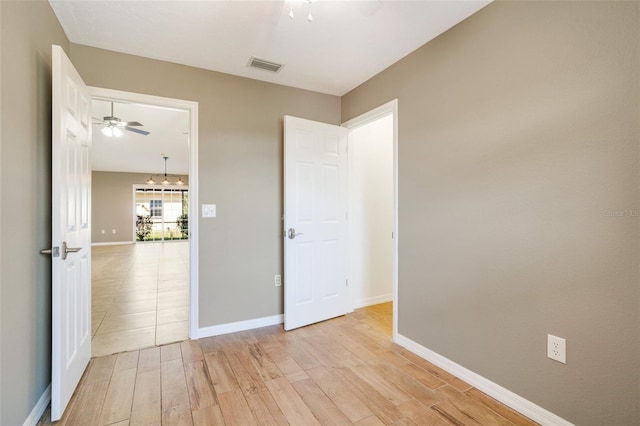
(165, 176)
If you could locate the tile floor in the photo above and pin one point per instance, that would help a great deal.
(140, 296)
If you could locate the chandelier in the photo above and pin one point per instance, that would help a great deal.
(165, 177)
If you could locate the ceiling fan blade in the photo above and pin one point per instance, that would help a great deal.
(133, 129)
(131, 123)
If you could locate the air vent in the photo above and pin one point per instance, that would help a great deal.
(264, 65)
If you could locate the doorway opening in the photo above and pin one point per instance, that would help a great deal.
(373, 228)
(144, 294)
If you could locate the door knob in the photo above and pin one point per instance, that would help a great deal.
(292, 233)
(55, 251)
(66, 249)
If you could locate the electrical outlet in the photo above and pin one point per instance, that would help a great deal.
(277, 279)
(113, 231)
(557, 348)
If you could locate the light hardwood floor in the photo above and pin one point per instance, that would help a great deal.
(140, 296)
(339, 372)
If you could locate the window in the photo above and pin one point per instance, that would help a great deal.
(156, 208)
(161, 214)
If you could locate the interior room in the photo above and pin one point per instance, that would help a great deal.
(140, 187)
(515, 295)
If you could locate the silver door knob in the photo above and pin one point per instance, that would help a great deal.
(292, 233)
(66, 249)
(55, 251)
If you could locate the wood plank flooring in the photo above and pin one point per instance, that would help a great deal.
(344, 371)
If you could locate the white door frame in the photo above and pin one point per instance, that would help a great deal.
(390, 108)
(192, 108)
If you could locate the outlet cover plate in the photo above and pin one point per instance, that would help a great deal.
(556, 348)
(277, 279)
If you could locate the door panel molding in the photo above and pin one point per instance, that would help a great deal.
(71, 227)
(315, 220)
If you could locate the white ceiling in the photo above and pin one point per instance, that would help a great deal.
(348, 42)
(133, 152)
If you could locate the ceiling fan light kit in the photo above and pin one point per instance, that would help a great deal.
(291, 14)
(112, 131)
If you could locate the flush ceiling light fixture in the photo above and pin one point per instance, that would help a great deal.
(165, 176)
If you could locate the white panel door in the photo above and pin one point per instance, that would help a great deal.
(315, 209)
(71, 231)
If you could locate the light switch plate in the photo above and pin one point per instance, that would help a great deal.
(208, 210)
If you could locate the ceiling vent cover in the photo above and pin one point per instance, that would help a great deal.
(264, 65)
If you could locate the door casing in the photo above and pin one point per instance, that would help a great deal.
(390, 107)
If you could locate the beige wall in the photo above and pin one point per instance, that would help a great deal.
(112, 205)
(240, 163)
(28, 29)
(518, 130)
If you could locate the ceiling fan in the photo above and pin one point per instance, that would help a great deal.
(113, 126)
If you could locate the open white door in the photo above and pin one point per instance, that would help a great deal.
(315, 209)
(71, 231)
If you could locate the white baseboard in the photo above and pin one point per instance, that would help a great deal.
(112, 243)
(505, 396)
(373, 301)
(232, 327)
(39, 408)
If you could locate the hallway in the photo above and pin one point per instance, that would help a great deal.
(140, 296)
